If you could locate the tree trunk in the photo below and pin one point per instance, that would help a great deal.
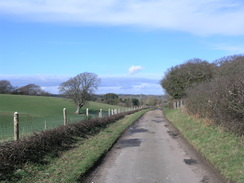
(77, 110)
(79, 106)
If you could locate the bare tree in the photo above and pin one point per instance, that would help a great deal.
(5, 87)
(30, 89)
(80, 88)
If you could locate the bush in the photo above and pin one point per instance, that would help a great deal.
(179, 78)
(222, 99)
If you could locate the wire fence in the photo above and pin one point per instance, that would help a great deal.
(29, 124)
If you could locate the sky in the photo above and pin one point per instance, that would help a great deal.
(129, 44)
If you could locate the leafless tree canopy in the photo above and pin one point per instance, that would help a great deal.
(5, 87)
(80, 88)
(30, 89)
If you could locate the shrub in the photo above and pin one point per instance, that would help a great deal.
(179, 78)
(222, 99)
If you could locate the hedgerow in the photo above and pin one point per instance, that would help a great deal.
(221, 100)
(213, 91)
(34, 148)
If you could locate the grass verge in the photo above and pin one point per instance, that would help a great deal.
(223, 149)
(72, 165)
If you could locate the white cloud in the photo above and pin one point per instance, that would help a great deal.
(51, 89)
(130, 85)
(109, 89)
(134, 69)
(231, 50)
(198, 17)
(140, 88)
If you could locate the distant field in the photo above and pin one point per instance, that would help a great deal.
(37, 113)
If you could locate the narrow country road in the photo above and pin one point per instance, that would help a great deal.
(152, 152)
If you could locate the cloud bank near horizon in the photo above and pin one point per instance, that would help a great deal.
(211, 17)
(118, 85)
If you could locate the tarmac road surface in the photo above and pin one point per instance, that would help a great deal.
(151, 151)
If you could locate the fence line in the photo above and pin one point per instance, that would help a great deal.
(17, 122)
(176, 104)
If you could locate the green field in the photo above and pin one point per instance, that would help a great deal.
(37, 113)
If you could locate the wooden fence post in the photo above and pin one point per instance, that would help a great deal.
(65, 116)
(16, 126)
(45, 125)
(87, 112)
(100, 113)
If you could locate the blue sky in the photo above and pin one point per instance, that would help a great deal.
(129, 44)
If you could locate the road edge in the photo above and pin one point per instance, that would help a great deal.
(205, 163)
(92, 171)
